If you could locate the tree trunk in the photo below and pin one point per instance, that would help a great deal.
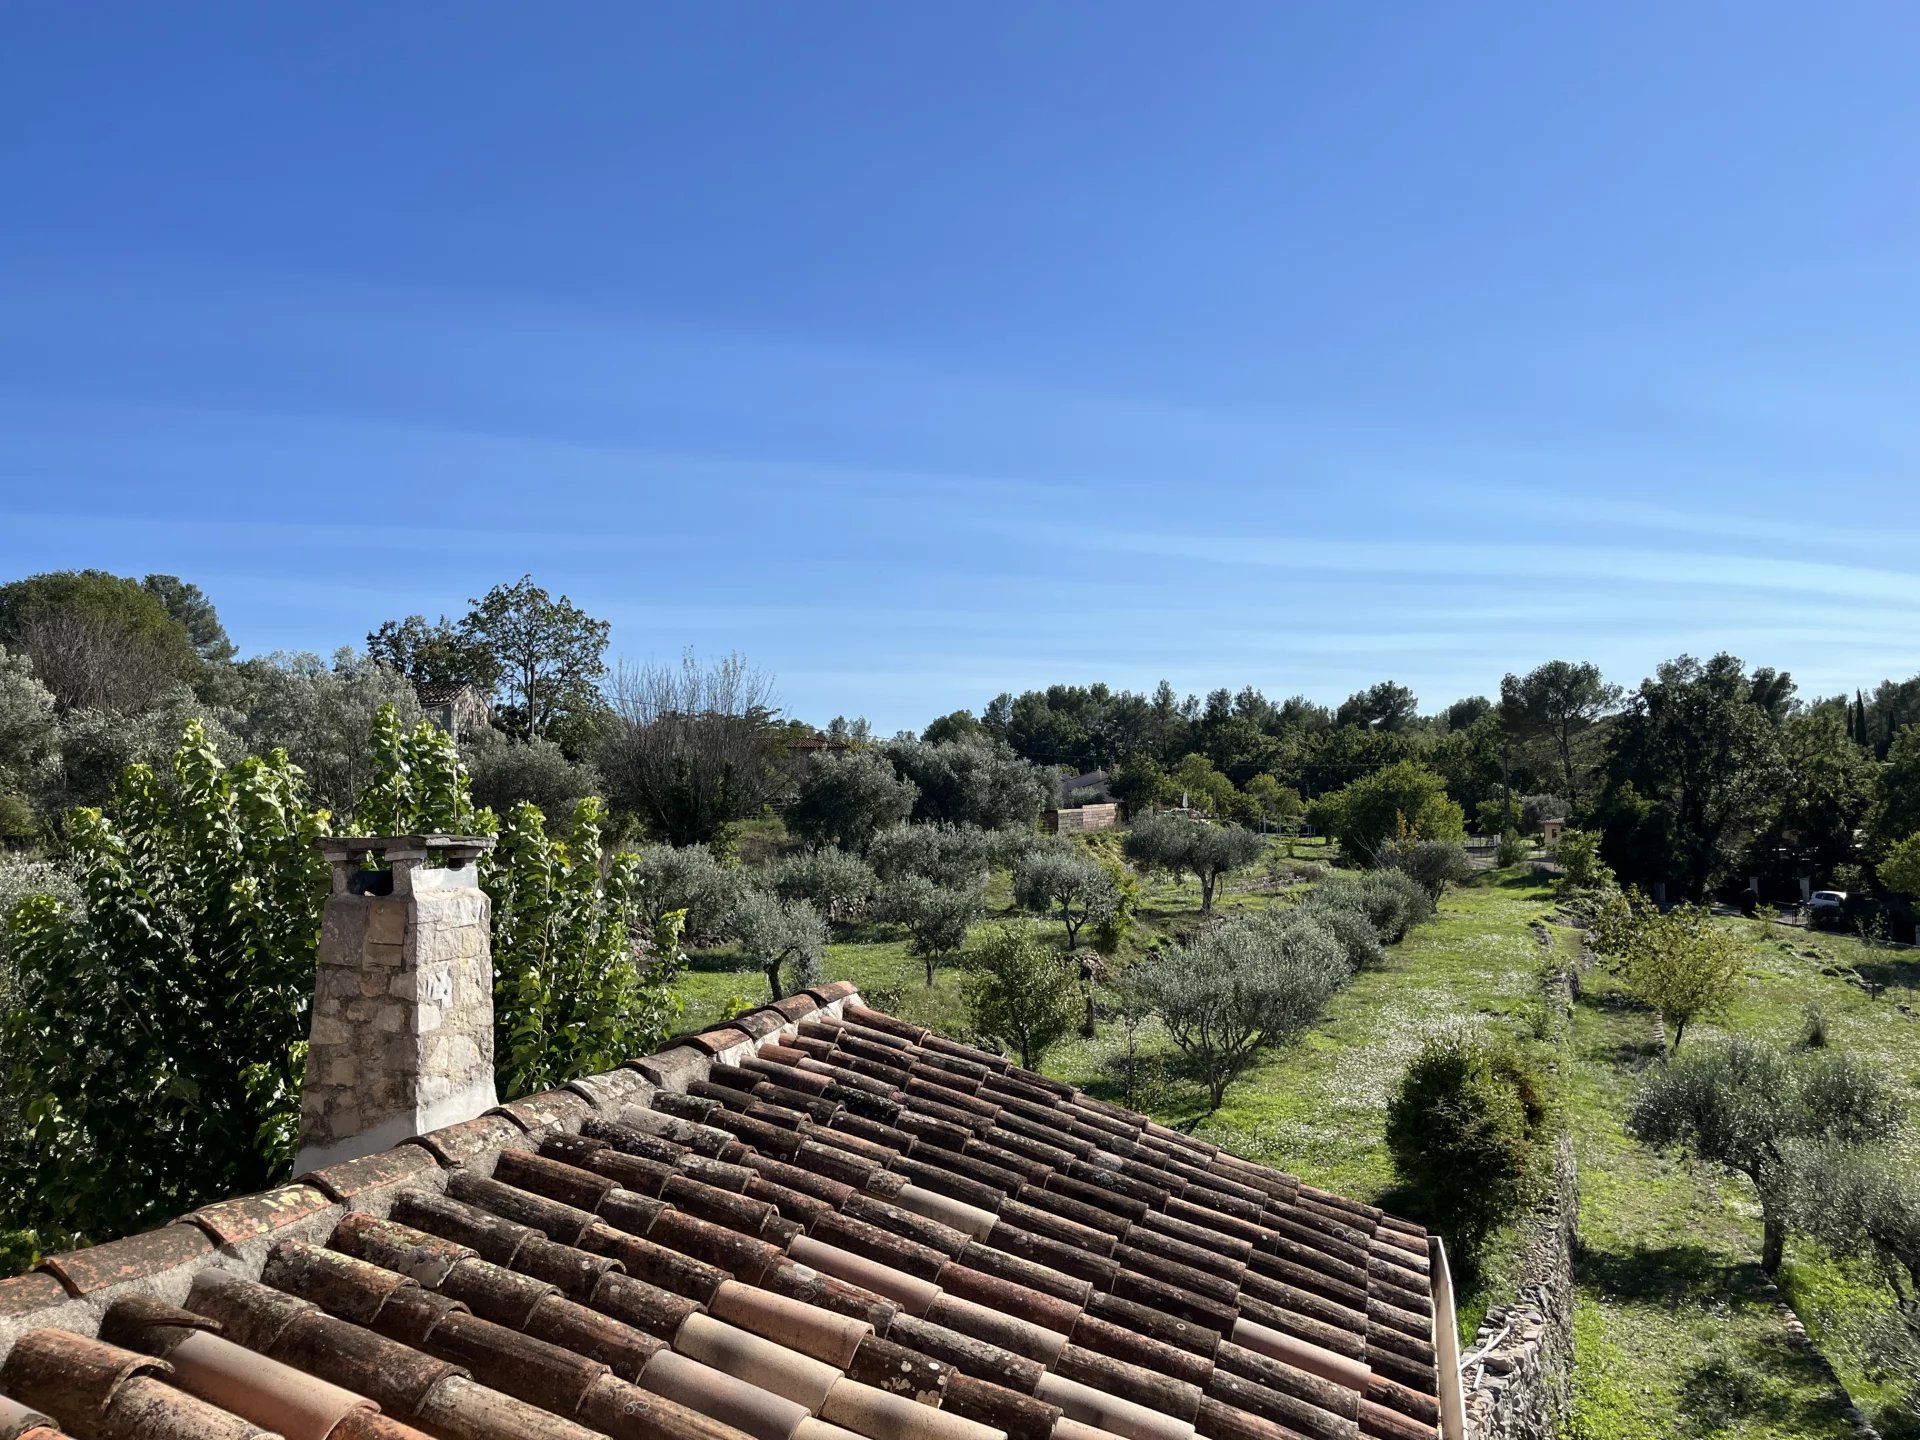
(1773, 1244)
(1216, 1091)
(773, 978)
(1206, 901)
(929, 960)
(1086, 994)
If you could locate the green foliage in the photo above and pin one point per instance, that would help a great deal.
(1112, 930)
(97, 641)
(1896, 808)
(29, 745)
(1392, 902)
(569, 995)
(1513, 848)
(188, 604)
(1240, 986)
(787, 939)
(1680, 963)
(844, 800)
(835, 883)
(1270, 802)
(1578, 855)
(322, 713)
(441, 653)
(1461, 1126)
(419, 784)
(550, 655)
(1556, 706)
(1693, 772)
(1433, 865)
(1900, 871)
(950, 855)
(1066, 877)
(972, 782)
(935, 918)
(202, 911)
(506, 773)
(1745, 1105)
(686, 878)
(1343, 914)
(1405, 801)
(1202, 786)
(1179, 843)
(1020, 992)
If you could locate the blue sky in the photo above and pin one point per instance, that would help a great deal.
(920, 352)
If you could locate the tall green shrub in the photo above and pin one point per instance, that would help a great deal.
(1461, 1126)
(570, 994)
(155, 1047)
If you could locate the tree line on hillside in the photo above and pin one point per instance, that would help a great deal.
(1704, 777)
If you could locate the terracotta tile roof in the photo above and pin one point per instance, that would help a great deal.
(813, 1222)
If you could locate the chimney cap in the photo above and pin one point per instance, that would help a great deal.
(456, 848)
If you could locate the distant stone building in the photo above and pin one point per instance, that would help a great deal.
(456, 708)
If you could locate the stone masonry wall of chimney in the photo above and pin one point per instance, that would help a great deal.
(402, 1033)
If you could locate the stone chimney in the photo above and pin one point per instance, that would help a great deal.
(402, 1038)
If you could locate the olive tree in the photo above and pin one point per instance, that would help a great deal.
(686, 878)
(846, 799)
(787, 939)
(1179, 843)
(935, 917)
(1745, 1105)
(1239, 987)
(322, 713)
(1020, 992)
(1068, 882)
(1433, 865)
(835, 883)
(950, 855)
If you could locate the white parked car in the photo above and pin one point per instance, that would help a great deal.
(1829, 902)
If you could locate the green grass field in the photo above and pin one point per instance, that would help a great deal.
(1677, 1332)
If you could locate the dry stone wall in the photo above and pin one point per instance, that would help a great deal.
(1517, 1376)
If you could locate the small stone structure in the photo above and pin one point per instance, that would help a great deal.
(402, 1036)
(1080, 818)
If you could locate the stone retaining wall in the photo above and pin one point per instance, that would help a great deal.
(1517, 1376)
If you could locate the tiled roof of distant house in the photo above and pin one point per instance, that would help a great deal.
(441, 692)
(809, 1223)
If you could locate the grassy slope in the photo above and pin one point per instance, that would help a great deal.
(1674, 1332)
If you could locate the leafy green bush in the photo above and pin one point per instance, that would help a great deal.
(569, 996)
(1462, 1126)
(1351, 927)
(1021, 992)
(689, 879)
(202, 913)
(845, 800)
(1513, 848)
(949, 855)
(1404, 801)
